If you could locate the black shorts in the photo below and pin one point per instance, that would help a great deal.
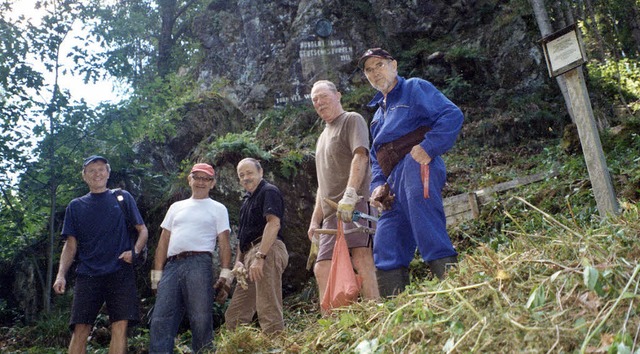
(117, 290)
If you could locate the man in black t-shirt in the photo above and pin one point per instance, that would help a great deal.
(261, 254)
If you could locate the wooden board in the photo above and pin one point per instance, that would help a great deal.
(467, 206)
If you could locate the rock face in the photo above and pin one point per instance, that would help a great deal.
(270, 52)
(483, 54)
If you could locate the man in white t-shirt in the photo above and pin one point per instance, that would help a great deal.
(183, 269)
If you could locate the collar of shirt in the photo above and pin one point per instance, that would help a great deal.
(379, 97)
(248, 195)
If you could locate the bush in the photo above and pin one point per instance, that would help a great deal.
(617, 79)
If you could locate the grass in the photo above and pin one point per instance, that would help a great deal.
(540, 271)
(564, 288)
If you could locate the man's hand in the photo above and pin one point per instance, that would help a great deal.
(127, 256)
(60, 285)
(313, 226)
(374, 200)
(156, 275)
(381, 198)
(255, 270)
(421, 156)
(347, 204)
(223, 285)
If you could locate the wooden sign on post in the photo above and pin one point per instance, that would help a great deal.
(563, 50)
(565, 55)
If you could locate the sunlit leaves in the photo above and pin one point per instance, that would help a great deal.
(537, 297)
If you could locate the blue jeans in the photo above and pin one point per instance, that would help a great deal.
(185, 287)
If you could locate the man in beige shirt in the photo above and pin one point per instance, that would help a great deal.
(342, 165)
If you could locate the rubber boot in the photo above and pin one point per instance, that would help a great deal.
(392, 282)
(440, 266)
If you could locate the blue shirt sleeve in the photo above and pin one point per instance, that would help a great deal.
(444, 117)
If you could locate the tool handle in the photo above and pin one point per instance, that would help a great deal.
(424, 174)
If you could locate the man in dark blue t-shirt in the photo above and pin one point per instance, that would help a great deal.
(96, 235)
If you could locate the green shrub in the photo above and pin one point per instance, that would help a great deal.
(615, 78)
(241, 144)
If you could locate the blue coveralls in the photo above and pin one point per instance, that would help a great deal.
(413, 220)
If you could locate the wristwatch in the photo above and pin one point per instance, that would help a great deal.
(260, 255)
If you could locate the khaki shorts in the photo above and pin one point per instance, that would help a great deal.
(354, 240)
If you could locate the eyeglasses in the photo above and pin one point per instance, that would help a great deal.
(202, 179)
(379, 65)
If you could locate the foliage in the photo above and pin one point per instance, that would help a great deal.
(22, 227)
(559, 287)
(625, 147)
(240, 144)
(289, 163)
(45, 135)
(519, 262)
(356, 99)
(157, 106)
(457, 88)
(49, 333)
(463, 52)
(616, 22)
(617, 79)
(290, 127)
(139, 39)
(17, 80)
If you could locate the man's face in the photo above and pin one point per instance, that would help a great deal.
(201, 183)
(249, 175)
(326, 102)
(96, 175)
(381, 73)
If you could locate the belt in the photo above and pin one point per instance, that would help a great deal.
(389, 154)
(183, 255)
(249, 245)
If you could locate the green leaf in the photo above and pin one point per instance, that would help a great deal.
(590, 276)
(537, 297)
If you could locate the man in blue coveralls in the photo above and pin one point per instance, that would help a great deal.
(414, 124)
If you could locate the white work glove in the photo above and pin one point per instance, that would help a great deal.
(155, 278)
(223, 285)
(347, 204)
(227, 274)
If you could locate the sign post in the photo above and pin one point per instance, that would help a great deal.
(565, 55)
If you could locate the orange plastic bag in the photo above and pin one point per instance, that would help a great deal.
(343, 285)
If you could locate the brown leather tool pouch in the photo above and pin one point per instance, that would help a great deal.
(389, 154)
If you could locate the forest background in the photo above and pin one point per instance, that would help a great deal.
(187, 99)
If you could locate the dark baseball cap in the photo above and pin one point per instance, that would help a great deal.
(374, 52)
(93, 158)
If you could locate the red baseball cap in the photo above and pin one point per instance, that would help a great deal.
(203, 167)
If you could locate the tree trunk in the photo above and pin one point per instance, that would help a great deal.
(542, 18)
(561, 21)
(592, 25)
(568, 12)
(634, 23)
(168, 10)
